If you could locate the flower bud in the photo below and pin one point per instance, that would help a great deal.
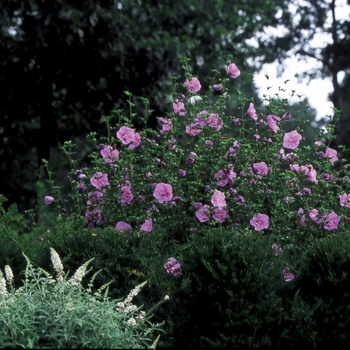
(81, 187)
(217, 87)
(48, 199)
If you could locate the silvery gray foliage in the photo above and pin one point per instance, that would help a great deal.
(60, 313)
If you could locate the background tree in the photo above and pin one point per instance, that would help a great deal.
(65, 64)
(299, 24)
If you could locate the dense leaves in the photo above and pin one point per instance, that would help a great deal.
(66, 64)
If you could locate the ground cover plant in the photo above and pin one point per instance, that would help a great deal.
(225, 213)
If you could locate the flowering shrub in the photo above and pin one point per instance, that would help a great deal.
(204, 171)
(59, 313)
(151, 179)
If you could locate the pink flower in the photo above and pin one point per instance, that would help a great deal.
(217, 87)
(193, 129)
(237, 121)
(48, 199)
(126, 196)
(164, 120)
(306, 191)
(286, 117)
(289, 157)
(201, 213)
(81, 187)
(310, 172)
(288, 276)
(313, 215)
(218, 199)
(163, 192)
(109, 154)
(272, 120)
(197, 205)
(260, 222)
(122, 226)
(147, 226)
(99, 180)
(301, 212)
(240, 199)
(220, 215)
(225, 176)
(173, 267)
(126, 135)
(179, 108)
(252, 112)
(332, 221)
(291, 139)
(345, 200)
(260, 168)
(136, 141)
(200, 119)
(295, 167)
(213, 121)
(332, 154)
(193, 85)
(233, 70)
(167, 124)
(236, 145)
(191, 157)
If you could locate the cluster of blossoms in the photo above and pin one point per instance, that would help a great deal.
(218, 201)
(222, 191)
(77, 278)
(204, 118)
(128, 308)
(3, 288)
(57, 264)
(330, 221)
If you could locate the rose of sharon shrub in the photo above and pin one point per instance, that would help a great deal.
(207, 168)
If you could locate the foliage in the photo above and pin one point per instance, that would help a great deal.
(200, 209)
(129, 46)
(61, 314)
(241, 299)
(11, 225)
(325, 284)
